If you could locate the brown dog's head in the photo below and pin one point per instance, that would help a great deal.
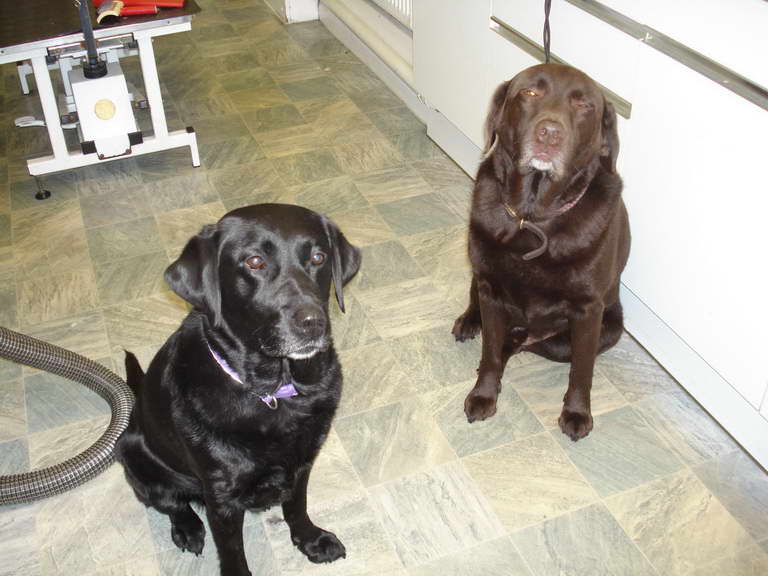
(554, 119)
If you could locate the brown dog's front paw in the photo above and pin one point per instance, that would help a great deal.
(575, 425)
(466, 327)
(479, 405)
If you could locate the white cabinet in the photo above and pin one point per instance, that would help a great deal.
(451, 60)
(692, 158)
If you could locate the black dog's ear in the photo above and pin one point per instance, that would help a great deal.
(345, 259)
(493, 121)
(195, 275)
(610, 146)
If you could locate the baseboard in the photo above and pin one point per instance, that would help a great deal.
(455, 143)
(301, 10)
(393, 81)
(734, 413)
(278, 7)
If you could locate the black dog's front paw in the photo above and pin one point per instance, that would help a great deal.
(324, 547)
(189, 535)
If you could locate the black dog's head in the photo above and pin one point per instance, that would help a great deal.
(554, 119)
(264, 273)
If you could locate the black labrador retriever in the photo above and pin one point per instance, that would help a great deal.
(548, 236)
(237, 403)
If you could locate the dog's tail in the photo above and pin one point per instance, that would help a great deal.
(134, 375)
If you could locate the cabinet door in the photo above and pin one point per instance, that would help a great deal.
(451, 60)
(692, 165)
(692, 158)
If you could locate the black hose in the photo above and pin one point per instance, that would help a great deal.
(17, 488)
(93, 67)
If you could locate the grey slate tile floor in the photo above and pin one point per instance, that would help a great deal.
(288, 114)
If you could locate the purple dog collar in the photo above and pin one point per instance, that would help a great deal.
(285, 390)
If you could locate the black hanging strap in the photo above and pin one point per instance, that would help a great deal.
(547, 6)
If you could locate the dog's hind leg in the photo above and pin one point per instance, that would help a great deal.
(613, 326)
(468, 324)
(161, 488)
(558, 347)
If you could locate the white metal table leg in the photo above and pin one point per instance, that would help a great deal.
(152, 86)
(23, 70)
(50, 108)
(65, 65)
(193, 149)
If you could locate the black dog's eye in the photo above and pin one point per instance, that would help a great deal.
(256, 262)
(317, 258)
(530, 92)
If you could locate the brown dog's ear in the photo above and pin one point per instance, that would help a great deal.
(195, 274)
(610, 146)
(345, 259)
(493, 121)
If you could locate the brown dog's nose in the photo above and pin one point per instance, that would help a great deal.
(549, 133)
(310, 321)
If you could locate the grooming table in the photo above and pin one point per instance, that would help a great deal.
(48, 31)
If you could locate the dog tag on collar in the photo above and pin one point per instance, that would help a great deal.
(285, 391)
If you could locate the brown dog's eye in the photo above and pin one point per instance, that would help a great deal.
(582, 104)
(317, 258)
(256, 262)
(530, 92)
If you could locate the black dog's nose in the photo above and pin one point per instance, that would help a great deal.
(310, 321)
(549, 133)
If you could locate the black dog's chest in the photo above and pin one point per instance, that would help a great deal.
(264, 487)
(260, 464)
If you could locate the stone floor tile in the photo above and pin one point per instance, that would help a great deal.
(678, 523)
(384, 264)
(434, 513)
(622, 452)
(393, 441)
(741, 485)
(512, 421)
(587, 541)
(53, 401)
(406, 307)
(489, 558)
(54, 297)
(542, 385)
(691, 433)
(20, 544)
(417, 214)
(354, 522)
(529, 481)
(373, 378)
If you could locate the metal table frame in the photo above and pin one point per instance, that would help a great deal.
(143, 33)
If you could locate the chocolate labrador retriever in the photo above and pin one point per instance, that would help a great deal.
(548, 236)
(236, 405)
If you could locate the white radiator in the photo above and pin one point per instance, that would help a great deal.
(400, 10)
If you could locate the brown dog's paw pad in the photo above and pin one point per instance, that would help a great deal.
(479, 407)
(322, 549)
(575, 425)
(466, 327)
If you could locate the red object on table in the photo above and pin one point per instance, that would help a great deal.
(138, 10)
(156, 3)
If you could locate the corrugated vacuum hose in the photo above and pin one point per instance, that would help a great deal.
(59, 478)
